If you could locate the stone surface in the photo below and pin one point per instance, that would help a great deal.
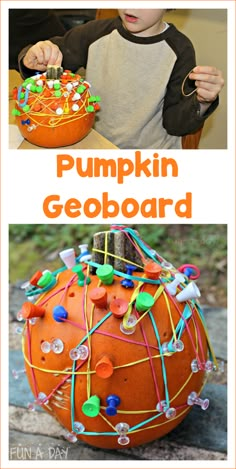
(216, 320)
(24, 447)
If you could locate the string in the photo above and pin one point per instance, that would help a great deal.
(182, 87)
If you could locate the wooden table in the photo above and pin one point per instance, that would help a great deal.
(92, 141)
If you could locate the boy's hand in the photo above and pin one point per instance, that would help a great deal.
(42, 54)
(209, 82)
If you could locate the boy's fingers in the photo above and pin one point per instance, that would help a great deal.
(43, 53)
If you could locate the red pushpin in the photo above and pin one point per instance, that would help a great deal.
(99, 297)
(152, 270)
(119, 307)
(35, 278)
(29, 310)
(104, 367)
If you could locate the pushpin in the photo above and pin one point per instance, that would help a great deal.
(195, 366)
(122, 428)
(91, 407)
(161, 406)
(99, 297)
(84, 253)
(113, 401)
(45, 346)
(29, 310)
(191, 292)
(193, 399)
(54, 72)
(47, 280)
(175, 346)
(190, 270)
(79, 353)
(78, 269)
(78, 427)
(39, 401)
(35, 278)
(172, 286)
(68, 257)
(59, 313)
(170, 413)
(104, 367)
(144, 301)
(71, 437)
(105, 273)
(18, 373)
(130, 325)
(128, 283)
(57, 346)
(152, 270)
(25, 122)
(166, 265)
(209, 366)
(119, 307)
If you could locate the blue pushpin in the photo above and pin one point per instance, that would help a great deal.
(188, 271)
(113, 401)
(25, 122)
(128, 283)
(59, 313)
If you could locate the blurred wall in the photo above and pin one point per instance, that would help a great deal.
(207, 29)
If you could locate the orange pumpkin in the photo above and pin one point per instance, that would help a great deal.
(55, 113)
(115, 363)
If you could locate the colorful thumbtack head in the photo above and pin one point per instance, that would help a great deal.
(152, 270)
(91, 407)
(128, 283)
(78, 269)
(59, 313)
(98, 296)
(119, 307)
(190, 292)
(105, 273)
(172, 286)
(144, 301)
(35, 278)
(68, 257)
(190, 270)
(112, 403)
(85, 255)
(104, 367)
(29, 310)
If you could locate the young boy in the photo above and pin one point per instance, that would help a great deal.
(137, 63)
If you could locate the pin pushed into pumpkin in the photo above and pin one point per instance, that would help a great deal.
(54, 72)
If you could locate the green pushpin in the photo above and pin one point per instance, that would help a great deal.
(15, 112)
(81, 89)
(57, 93)
(144, 301)
(105, 273)
(90, 109)
(45, 280)
(56, 86)
(91, 407)
(94, 99)
(78, 269)
(33, 88)
(22, 95)
(26, 108)
(39, 89)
